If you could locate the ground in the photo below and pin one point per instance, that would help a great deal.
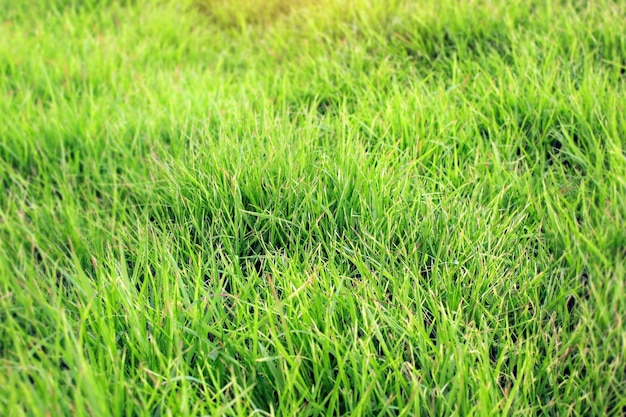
(330, 207)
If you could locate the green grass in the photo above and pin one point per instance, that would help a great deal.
(329, 208)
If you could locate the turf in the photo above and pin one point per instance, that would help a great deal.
(376, 208)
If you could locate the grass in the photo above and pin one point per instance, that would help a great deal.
(333, 208)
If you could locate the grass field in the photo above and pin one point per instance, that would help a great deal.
(322, 207)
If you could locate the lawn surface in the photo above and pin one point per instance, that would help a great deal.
(320, 207)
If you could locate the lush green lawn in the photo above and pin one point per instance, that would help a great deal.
(364, 207)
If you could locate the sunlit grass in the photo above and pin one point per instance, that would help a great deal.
(332, 208)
